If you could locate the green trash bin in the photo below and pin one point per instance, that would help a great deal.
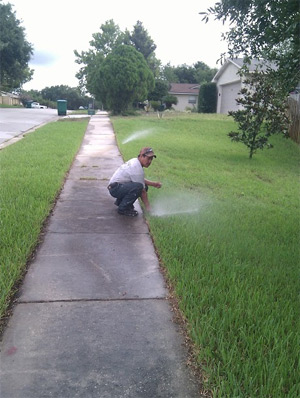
(28, 104)
(61, 107)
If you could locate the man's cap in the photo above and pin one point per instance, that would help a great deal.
(147, 151)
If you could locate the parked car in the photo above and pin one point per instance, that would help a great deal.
(38, 105)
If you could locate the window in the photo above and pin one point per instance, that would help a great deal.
(192, 99)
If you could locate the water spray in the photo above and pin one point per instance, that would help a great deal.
(138, 134)
(176, 204)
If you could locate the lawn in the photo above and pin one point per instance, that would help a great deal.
(227, 232)
(32, 172)
(226, 229)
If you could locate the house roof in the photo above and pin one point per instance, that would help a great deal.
(11, 95)
(238, 62)
(184, 88)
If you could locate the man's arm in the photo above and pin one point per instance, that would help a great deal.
(153, 184)
(145, 200)
(144, 195)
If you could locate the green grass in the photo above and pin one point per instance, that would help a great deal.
(10, 106)
(32, 172)
(235, 263)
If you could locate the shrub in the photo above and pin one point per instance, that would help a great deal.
(207, 100)
(169, 100)
(155, 105)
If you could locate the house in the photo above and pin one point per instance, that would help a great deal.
(229, 83)
(9, 99)
(187, 95)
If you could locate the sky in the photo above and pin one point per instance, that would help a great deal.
(56, 28)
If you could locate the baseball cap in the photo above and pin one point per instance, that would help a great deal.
(147, 151)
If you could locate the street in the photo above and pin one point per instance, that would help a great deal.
(15, 122)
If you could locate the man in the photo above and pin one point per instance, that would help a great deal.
(128, 183)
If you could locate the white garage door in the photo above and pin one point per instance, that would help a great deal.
(228, 97)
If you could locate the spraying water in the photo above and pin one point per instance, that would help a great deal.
(137, 134)
(176, 204)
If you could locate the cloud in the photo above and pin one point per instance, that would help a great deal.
(56, 28)
(43, 58)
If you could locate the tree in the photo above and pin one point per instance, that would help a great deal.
(123, 78)
(260, 115)
(106, 41)
(141, 40)
(73, 96)
(32, 95)
(49, 96)
(268, 31)
(15, 51)
(110, 38)
(168, 74)
(143, 43)
(160, 90)
(263, 29)
(103, 43)
(196, 74)
(185, 73)
(203, 73)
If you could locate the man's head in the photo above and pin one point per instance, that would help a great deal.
(146, 156)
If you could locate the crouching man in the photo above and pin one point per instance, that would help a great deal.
(128, 183)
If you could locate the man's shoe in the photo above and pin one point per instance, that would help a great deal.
(128, 212)
(118, 201)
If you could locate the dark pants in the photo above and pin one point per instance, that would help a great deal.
(126, 194)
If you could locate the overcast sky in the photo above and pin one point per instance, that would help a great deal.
(56, 28)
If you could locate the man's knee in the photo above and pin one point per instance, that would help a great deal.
(138, 187)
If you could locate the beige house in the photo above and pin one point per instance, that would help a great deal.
(187, 95)
(229, 83)
(9, 99)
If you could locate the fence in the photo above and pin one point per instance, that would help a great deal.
(9, 99)
(294, 115)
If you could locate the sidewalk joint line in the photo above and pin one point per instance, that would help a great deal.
(90, 300)
(96, 233)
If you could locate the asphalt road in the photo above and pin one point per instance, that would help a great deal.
(15, 122)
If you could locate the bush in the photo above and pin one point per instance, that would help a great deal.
(155, 105)
(130, 112)
(207, 100)
(169, 100)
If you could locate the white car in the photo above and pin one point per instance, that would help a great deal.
(37, 105)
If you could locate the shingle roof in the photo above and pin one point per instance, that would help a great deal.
(11, 95)
(184, 88)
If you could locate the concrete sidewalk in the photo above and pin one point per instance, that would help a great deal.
(92, 319)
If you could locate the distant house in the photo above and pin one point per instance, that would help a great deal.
(229, 83)
(187, 95)
(9, 98)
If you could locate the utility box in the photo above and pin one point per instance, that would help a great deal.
(61, 107)
(91, 110)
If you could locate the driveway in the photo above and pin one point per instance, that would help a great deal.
(15, 122)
